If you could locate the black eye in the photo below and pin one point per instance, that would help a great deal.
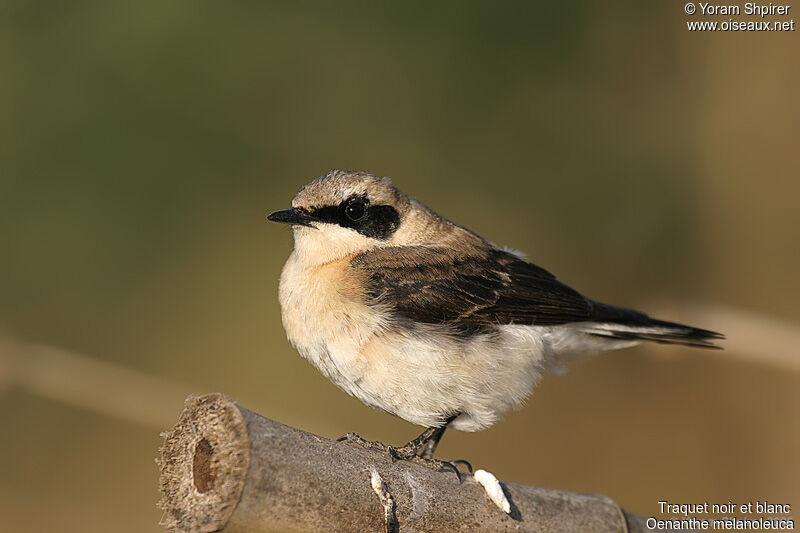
(355, 210)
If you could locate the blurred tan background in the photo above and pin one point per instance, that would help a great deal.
(142, 144)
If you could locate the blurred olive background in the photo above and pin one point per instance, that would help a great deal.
(143, 143)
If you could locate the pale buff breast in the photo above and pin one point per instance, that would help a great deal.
(325, 319)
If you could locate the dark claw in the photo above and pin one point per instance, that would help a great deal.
(393, 455)
(446, 465)
(465, 463)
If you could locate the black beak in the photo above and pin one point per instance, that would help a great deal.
(292, 216)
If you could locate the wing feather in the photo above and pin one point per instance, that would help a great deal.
(475, 291)
(470, 292)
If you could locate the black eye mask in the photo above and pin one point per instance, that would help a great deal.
(375, 221)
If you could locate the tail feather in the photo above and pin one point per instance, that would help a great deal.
(626, 324)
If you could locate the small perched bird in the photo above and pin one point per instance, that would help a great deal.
(428, 321)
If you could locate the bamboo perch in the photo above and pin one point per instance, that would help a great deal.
(225, 468)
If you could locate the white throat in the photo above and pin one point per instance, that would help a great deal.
(328, 242)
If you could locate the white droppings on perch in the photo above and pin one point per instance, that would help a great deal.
(377, 484)
(493, 489)
(389, 518)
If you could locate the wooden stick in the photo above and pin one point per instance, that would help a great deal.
(225, 468)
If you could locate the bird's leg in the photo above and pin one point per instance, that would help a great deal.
(421, 450)
(429, 448)
(410, 449)
(427, 442)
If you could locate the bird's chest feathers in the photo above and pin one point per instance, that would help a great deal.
(325, 319)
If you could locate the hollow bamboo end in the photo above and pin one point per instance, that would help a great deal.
(203, 465)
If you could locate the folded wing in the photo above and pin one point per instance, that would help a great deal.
(489, 287)
(469, 292)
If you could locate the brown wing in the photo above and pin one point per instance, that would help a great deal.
(469, 292)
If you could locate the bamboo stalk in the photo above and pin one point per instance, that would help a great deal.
(226, 468)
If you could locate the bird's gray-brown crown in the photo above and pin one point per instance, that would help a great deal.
(360, 201)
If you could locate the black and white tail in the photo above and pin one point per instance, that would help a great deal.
(619, 323)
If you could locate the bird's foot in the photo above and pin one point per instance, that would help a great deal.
(404, 453)
(408, 452)
(354, 438)
(464, 462)
(427, 453)
(411, 452)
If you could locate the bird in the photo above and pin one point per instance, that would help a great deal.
(424, 319)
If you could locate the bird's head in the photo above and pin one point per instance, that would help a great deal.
(343, 213)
